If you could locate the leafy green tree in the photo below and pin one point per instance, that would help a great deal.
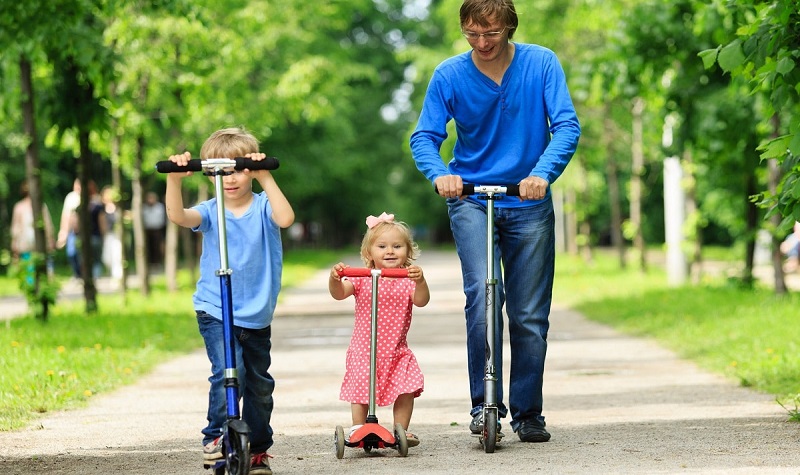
(665, 40)
(763, 50)
(28, 38)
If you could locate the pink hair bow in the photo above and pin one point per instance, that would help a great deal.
(373, 221)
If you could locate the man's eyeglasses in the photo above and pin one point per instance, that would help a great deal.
(489, 35)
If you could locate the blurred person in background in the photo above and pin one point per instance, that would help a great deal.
(154, 218)
(23, 233)
(67, 232)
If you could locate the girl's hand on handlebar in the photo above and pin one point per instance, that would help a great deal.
(336, 269)
(449, 186)
(415, 273)
(533, 188)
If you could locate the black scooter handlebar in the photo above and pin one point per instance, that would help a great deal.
(196, 165)
(473, 189)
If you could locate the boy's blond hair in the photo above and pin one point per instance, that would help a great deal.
(229, 143)
(373, 233)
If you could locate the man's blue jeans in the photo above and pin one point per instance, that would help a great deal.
(525, 244)
(255, 383)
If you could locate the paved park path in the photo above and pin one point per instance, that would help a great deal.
(614, 404)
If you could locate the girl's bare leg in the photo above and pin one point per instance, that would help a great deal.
(359, 412)
(403, 407)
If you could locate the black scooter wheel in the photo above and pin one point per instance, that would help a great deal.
(401, 440)
(338, 442)
(490, 431)
(237, 458)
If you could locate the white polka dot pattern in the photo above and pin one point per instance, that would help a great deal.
(397, 370)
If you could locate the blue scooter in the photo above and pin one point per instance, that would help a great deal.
(235, 432)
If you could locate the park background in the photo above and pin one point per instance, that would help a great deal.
(102, 90)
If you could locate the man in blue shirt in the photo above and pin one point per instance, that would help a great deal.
(515, 124)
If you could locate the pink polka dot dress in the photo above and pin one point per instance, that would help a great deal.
(397, 370)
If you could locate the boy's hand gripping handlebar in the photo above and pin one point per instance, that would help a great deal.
(238, 163)
(365, 272)
(472, 189)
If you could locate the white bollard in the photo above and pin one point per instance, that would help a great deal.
(674, 218)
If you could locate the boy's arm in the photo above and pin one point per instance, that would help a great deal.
(188, 218)
(282, 212)
(422, 294)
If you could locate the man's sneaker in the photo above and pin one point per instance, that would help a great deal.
(213, 450)
(532, 430)
(476, 426)
(259, 464)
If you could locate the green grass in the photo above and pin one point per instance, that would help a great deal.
(72, 357)
(751, 336)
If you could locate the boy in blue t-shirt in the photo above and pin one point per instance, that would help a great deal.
(253, 223)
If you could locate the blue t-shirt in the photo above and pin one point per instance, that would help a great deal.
(526, 126)
(255, 257)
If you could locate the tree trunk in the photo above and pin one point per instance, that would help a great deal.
(637, 170)
(571, 218)
(774, 180)
(751, 226)
(584, 228)
(752, 163)
(34, 186)
(137, 198)
(119, 223)
(87, 257)
(693, 216)
(614, 202)
(775, 220)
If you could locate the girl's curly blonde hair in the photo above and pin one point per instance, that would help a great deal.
(373, 233)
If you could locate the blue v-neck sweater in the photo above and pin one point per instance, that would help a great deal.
(526, 126)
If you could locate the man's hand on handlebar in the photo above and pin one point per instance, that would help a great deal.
(533, 188)
(452, 186)
(449, 186)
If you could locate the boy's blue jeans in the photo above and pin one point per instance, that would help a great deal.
(255, 383)
(525, 244)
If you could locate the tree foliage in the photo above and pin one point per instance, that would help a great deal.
(764, 49)
(332, 89)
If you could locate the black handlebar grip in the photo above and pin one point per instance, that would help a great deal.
(512, 190)
(268, 163)
(167, 166)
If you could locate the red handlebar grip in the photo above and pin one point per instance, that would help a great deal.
(402, 272)
(355, 272)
